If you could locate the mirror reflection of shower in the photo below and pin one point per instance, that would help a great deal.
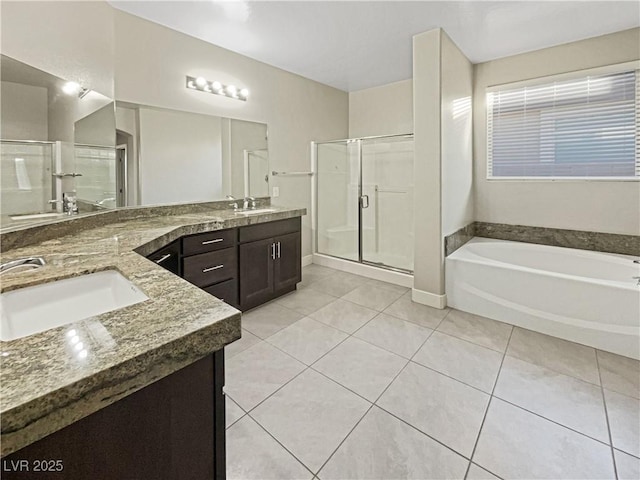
(365, 200)
(256, 173)
(55, 135)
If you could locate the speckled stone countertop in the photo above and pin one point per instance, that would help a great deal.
(47, 384)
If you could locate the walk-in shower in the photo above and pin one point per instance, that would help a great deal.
(364, 200)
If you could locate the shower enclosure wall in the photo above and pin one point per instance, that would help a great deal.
(364, 190)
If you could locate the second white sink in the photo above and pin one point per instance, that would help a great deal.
(256, 211)
(32, 310)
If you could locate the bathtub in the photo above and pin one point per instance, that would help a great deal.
(582, 296)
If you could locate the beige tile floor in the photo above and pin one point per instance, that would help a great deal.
(347, 378)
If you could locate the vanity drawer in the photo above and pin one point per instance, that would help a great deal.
(269, 229)
(212, 267)
(208, 242)
(226, 291)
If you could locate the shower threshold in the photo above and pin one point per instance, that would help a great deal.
(376, 271)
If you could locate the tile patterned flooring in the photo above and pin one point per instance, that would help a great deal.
(347, 378)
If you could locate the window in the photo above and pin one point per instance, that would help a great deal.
(570, 128)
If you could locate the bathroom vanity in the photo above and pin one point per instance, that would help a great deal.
(244, 266)
(141, 397)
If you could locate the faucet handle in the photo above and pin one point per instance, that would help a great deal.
(250, 201)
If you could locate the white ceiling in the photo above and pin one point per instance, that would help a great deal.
(357, 45)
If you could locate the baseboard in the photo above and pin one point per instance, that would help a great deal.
(307, 260)
(429, 299)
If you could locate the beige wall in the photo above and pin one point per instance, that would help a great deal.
(456, 137)
(442, 86)
(23, 112)
(71, 40)
(296, 110)
(604, 206)
(384, 110)
(427, 199)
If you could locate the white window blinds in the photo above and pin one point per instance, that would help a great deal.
(586, 127)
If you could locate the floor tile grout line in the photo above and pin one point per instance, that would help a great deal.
(452, 378)
(343, 440)
(520, 407)
(387, 350)
(306, 367)
(279, 443)
(484, 417)
(606, 416)
(422, 432)
(375, 402)
(553, 369)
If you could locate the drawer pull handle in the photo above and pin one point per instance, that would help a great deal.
(215, 240)
(163, 258)
(210, 269)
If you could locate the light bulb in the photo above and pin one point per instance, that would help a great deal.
(71, 88)
(232, 90)
(217, 86)
(201, 81)
(244, 93)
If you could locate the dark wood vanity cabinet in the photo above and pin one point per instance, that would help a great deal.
(170, 430)
(243, 266)
(210, 261)
(270, 261)
(169, 257)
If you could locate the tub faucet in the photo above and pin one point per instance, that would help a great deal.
(636, 261)
(29, 262)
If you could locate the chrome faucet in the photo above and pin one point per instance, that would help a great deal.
(249, 202)
(29, 262)
(233, 205)
(636, 261)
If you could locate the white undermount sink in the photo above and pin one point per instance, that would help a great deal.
(255, 211)
(32, 310)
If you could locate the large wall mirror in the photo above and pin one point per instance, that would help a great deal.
(63, 143)
(172, 156)
(57, 146)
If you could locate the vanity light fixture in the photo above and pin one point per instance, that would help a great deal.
(217, 88)
(74, 88)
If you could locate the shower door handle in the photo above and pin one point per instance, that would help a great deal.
(364, 201)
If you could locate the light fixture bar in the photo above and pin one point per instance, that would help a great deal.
(217, 88)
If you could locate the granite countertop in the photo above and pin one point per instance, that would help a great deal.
(47, 384)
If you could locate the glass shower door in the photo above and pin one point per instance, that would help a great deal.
(387, 202)
(338, 189)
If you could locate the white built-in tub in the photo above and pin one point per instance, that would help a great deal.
(583, 296)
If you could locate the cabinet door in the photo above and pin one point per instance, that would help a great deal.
(288, 269)
(256, 272)
(168, 257)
